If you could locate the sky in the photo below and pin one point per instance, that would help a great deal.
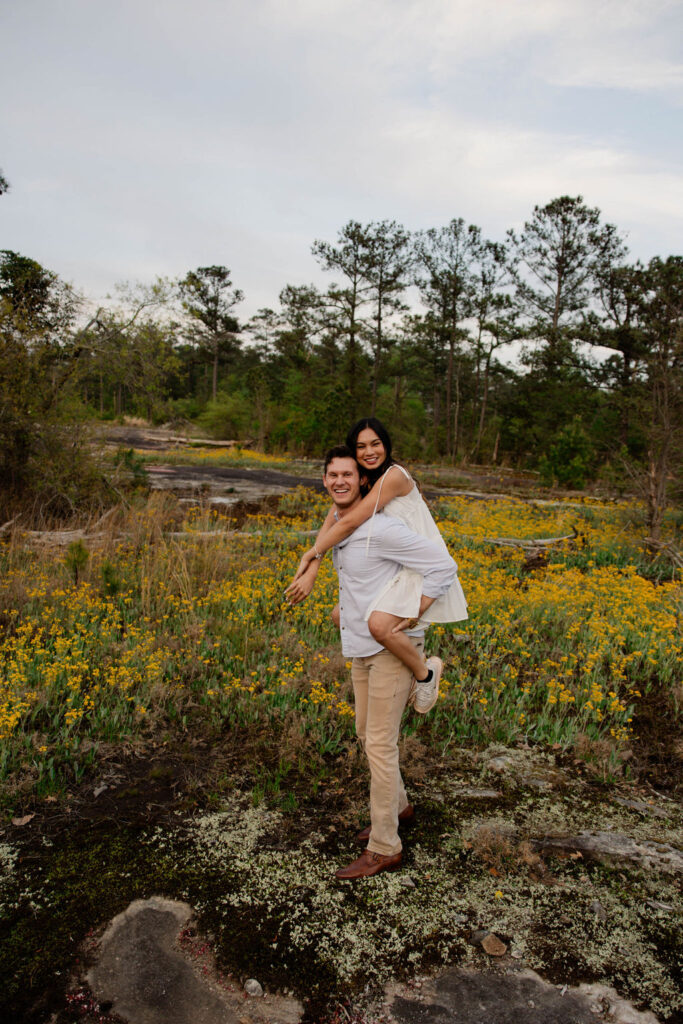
(144, 138)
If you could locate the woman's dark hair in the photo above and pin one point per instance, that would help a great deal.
(383, 434)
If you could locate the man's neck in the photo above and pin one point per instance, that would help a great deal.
(341, 512)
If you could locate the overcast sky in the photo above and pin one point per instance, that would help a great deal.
(149, 137)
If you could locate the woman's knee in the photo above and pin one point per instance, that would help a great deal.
(380, 625)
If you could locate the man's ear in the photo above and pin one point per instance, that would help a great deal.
(363, 479)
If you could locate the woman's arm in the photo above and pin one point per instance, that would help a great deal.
(301, 586)
(311, 555)
(390, 485)
(305, 576)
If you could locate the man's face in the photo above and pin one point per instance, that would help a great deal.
(342, 482)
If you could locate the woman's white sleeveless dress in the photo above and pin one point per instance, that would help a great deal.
(402, 594)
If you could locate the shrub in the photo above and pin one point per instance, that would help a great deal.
(570, 458)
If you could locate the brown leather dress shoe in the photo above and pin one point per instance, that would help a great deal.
(369, 864)
(406, 817)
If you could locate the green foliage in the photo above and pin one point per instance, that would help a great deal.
(230, 416)
(183, 409)
(569, 459)
(295, 377)
(131, 468)
(111, 579)
(76, 558)
(44, 460)
(208, 298)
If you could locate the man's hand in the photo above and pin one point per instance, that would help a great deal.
(301, 586)
(425, 603)
(405, 624)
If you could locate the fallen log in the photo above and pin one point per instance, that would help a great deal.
(531, 543)
(60, 538)
(213, 534)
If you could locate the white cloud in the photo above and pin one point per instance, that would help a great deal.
(622, 44)
(146, 137)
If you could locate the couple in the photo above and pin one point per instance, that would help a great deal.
(395, 576)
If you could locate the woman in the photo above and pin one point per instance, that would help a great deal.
(397, 606)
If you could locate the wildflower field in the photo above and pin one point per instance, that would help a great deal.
(171, 623)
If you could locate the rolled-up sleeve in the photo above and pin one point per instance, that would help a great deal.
(430, 559)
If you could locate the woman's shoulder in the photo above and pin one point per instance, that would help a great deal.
(402, 482)
(397, 465)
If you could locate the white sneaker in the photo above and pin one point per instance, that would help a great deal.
(427, 694)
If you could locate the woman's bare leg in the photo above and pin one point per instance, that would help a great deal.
(381, 625)
(334, 615)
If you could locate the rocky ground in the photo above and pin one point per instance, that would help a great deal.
(528, 881)
(226, 486)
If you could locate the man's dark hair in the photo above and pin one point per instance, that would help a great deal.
(340, 451)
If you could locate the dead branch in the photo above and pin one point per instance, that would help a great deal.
(103, 518)
(662, 548)
(10, 522)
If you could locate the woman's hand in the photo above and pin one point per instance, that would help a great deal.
(301, 586)
(306, 559)
(405, 624)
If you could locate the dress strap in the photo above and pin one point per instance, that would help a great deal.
(379, 491)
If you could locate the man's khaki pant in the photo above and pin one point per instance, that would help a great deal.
(381, 685)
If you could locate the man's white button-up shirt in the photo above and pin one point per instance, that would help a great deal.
(363, 573)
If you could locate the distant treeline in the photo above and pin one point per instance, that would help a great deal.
(410, 329)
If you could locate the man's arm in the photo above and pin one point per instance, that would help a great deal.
(398, 542)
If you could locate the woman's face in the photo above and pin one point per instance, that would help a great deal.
(370, 451)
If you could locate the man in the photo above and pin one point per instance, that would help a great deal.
(381, 683)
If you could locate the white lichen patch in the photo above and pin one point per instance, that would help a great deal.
(368, 932)
(18, 893)
(8, 860)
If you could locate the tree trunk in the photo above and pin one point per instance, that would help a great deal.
(656, 491)
(352, 353)
(378, 356)
(449, 389)
(482, 411)
(456, 414)
(437, 417)
(398, 397)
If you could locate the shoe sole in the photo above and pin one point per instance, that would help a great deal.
(371, 874)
